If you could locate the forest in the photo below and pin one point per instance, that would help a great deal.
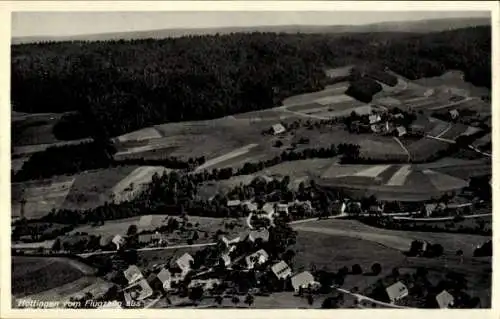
(121, 86)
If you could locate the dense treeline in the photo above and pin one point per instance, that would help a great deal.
(120, 86)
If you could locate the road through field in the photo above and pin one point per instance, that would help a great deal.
(404, 148)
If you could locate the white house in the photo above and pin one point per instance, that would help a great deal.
(282, 209)
(302, 280)
(133, 273)
(233, 203)
(268, 208)
(259, 257)
(281, 270)
(401, 130)
(259, 234)
(454, 114)
(137, 291)
(166, 278)
(444, 299)
(278, 129)
(119, 241)
(184, 263)
(374, 118)
(396, 291)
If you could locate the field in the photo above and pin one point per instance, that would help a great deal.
(33, 275)
(335, 252)
(29, 129)
(81, 191)
(390, 182)
(455, 80)
(454, 226)
(399, 240)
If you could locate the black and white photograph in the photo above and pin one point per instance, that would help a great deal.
(309, 159)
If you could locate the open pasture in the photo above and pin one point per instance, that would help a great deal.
(305, 98)
(339, 72)
(399, 240)
(453, 79)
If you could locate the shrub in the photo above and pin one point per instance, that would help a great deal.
(356, 269)
(376, 269)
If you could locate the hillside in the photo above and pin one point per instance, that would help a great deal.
(433, 25)
(119, 87)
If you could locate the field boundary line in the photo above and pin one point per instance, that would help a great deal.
(403, 147)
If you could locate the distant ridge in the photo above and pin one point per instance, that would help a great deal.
(420, 26)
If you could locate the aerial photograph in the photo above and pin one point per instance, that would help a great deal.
(251, 160)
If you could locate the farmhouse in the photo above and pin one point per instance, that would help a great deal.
(250, 206)
(268, 208)
(259, 257)
(454, 114)
(184, 263)
(396, 291)
(137, 291)
(374, 118)
(278, 129)
(401, 130)
(132, 273)
(281, 270)
(225, 260)
(233, 203)
(302, 280)
(444, 299)
(282, 209)
(259, 234)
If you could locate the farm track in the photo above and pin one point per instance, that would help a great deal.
(404, 148)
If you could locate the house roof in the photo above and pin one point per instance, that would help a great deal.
(142, 288)
(184, 262)
(235, 202)
(397, 291)
(260, 254)
(256, 234)
(164, 275)
(268, 208)
(401, 129)
(117, 239)
(281, 269)
(250, 206)
(132, 273)
(374, 118)
(278, 128)
(302, 279)
(444, 299)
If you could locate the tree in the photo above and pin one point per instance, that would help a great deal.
(132, 230)
(196, 294)
(219, 299)
(235, 300)
(249, 299)
(310, 299)
(356, 269)
(376, 269)
(57, 245)
(395, 272)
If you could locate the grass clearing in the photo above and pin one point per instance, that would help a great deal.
(453, 79)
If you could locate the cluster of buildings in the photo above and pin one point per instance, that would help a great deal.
(399, 291)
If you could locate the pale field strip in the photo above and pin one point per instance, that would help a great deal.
(155, 144)
(334, 99)
(140, 135)
(29, 149)
(341, 71)
(141, 175)
(372, 171)
(388, 101)
(442, 181)
(399, 178)
(471, 130)
(237, 152)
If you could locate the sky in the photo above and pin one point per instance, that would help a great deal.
(78, 23)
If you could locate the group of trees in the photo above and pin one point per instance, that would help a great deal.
(120, 86)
